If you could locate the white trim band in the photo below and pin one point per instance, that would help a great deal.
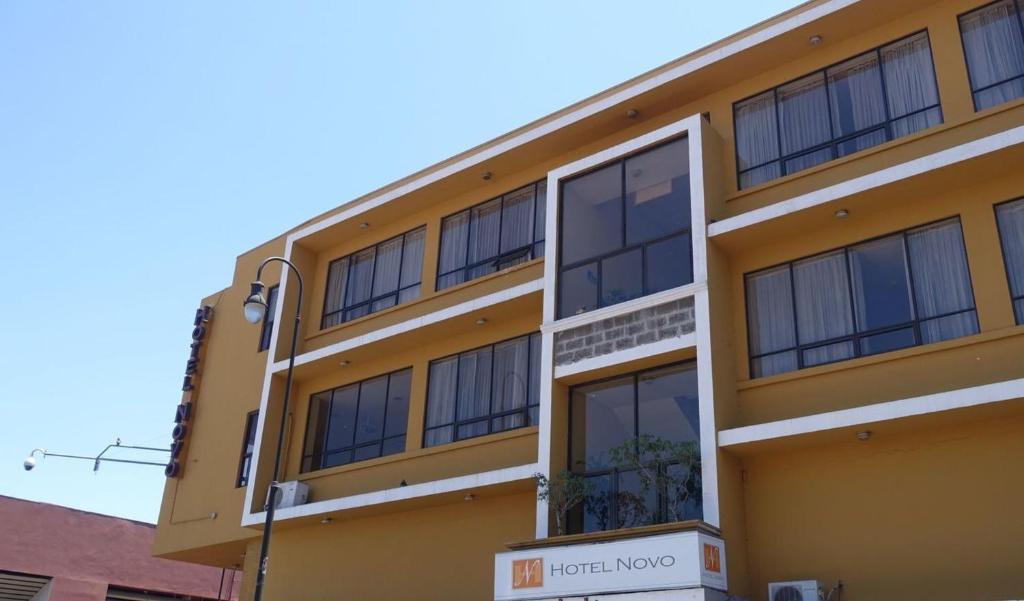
(875, 179)
(414, 324)
(401, 493)
(878, 412)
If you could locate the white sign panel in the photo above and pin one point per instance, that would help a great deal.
(664, 561)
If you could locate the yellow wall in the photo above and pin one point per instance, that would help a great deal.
(441, 553)
(931, 514)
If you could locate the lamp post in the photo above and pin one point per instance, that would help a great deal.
(255, 310)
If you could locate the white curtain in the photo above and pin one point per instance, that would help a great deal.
(803, 114)
(541, 210)
(1011, 230)
(994, 49)
(454, 233)
(770, 319)
(412, 263)
(484, 232)
(441, 397)
(511, 367)
(360, 277)
(517, 219)
(910, 84)
(337, 277)
(823, 306)
(474, 384)
(942, 282)
(757, 139)
(389, 260)
(855, 91)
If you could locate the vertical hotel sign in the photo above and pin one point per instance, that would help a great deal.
(189, 389)
(678, 560)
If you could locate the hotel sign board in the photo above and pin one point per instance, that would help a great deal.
(661, 562)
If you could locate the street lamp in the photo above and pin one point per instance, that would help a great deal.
(30, 461)
(255, 310)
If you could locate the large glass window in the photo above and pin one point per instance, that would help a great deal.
(493, 235)
(881, 95)
(1010, 217)
(248, 444)
(374, 278)
(268, 318)
(482, 391)
(657, 405)
(993, 38)
(356, 422)
(893, 292)
(625, 230)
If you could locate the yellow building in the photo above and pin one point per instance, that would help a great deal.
(792, 261)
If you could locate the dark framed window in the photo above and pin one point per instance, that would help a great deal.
(881, 95)
(268, 319)
(893, 292)
(993, 40)
(625, 230)
(356, 422)
(492, 235)
(486, 390)
(248, 444)
(661, 403)
(375, 278)
(1010, 219)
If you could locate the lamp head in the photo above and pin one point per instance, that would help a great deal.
(255, 304)
(30, 461)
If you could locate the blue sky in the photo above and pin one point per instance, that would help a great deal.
(144, 145)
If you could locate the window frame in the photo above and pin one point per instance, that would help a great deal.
(560, 269)
(615, 471)
(967, 64)
(529, 250)
(244, 469)
(1006, 264)
(267, 329)
(323, 452)
(491, 415)
(834, 142)
(397, 292)
(855, 337)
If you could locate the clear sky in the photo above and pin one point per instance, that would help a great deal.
(144, 145)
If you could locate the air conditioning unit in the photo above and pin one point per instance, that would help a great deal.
(797, 590)
(291, 493)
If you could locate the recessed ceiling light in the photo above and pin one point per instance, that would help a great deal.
(487, 175)
(364, 225)
(469, 497)
(343, 362)
(327, 520)
(814, 40)
(481, 321)
(632, 114)
(842, 214)
(862, 436)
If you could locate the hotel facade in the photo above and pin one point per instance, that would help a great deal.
(755, 317)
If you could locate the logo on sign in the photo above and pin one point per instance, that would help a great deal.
(712, 558)
(528, 573)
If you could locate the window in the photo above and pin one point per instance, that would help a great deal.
(268, 319)
(625, 230)
(357, 422)
(248, 444)
(374, 278)
(493, 235)
(482, 391)
(885, 294)
(1010, 217)
(660, 403)
(993, 38)
(881, 95)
